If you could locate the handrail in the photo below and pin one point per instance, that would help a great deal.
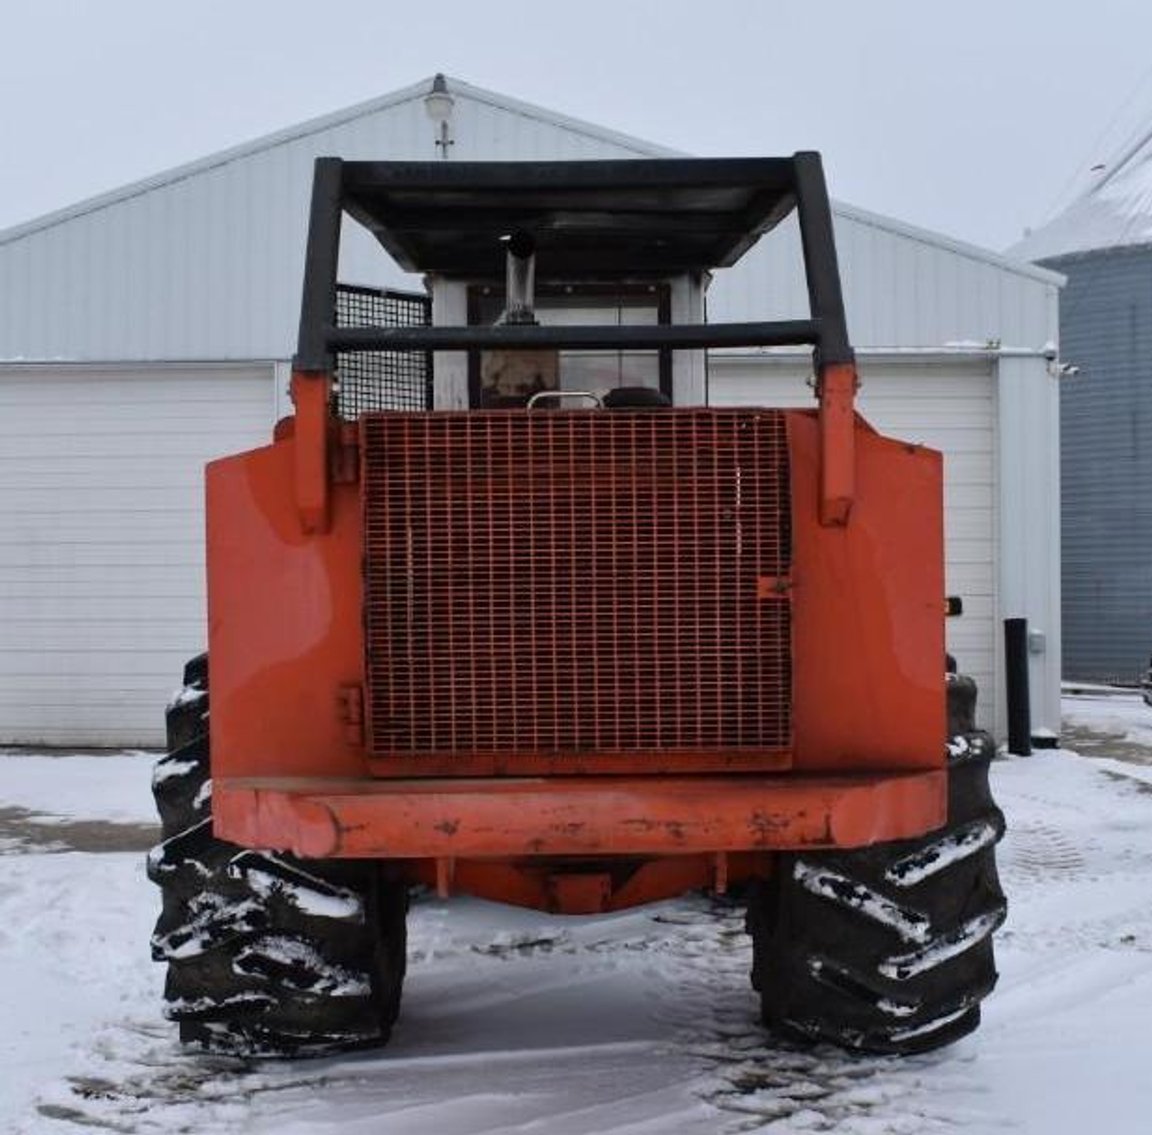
(587, 337)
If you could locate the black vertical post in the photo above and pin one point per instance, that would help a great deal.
(1016, 673)
(818, 241)
(318, 309)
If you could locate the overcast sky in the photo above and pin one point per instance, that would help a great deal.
(975, 118)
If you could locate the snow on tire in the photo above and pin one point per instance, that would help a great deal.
(267, 955)
(887, 948)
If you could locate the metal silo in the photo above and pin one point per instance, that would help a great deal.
(1103, 244)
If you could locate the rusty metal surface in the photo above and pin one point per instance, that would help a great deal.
(567, 583)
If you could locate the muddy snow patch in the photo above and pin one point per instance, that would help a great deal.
(1118, 725)
(22, 831)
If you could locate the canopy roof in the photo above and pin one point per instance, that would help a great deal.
(594, 218)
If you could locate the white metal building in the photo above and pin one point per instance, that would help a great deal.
(149, 329)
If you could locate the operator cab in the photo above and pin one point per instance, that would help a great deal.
(626, 244)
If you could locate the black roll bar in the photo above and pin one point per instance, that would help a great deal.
(800, 185)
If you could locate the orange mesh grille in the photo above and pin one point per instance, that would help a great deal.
(576, 582)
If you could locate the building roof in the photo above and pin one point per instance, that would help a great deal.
(325, 123)
(205, 261)
(1115, 212)
(457, 87)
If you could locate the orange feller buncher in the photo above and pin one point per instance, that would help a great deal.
(566, 637)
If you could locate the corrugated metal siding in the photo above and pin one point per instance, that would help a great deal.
(101, 545)
(1106, 464)
(209, 266)
(900, 289)
(949, 405)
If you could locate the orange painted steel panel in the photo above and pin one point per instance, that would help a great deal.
(528, 882)
(286, 643)
(311, 394)
(836, 386)
(673, 875)
(284, 618)
(323, 817)
(579, 892)
(867, 627)
(506, 881)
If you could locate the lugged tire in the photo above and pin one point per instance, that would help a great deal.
(888, 949)
(267, 954)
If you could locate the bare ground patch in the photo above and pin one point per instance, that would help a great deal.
(23, 831)
(1099, 743)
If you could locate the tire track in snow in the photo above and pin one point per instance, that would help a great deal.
(138, 1080)
(759, 1084)
(1073, 882)
(692, 959)
(1037, 851)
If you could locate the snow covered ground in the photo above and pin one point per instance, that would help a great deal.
(634, 1024)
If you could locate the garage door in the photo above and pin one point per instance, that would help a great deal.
(948, 404)
(101, 539)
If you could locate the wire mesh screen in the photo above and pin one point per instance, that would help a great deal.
(575, 583)
(382, 380)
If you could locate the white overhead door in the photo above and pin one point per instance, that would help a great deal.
(947, 403)
(101, 538)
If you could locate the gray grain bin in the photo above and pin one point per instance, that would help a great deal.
(1103, 244)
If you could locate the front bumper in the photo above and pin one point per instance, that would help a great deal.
(316, 817)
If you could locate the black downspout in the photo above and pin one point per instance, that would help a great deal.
(1016, 675)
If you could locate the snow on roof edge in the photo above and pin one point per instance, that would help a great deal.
(1041, 247)
(1114, 213)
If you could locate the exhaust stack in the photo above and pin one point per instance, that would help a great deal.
(520, 279)
(512, 378)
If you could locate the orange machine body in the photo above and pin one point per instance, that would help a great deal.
(587, 830)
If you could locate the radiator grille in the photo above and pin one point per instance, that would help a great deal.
(559, 583)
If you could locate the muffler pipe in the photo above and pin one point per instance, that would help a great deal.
(520, 279)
